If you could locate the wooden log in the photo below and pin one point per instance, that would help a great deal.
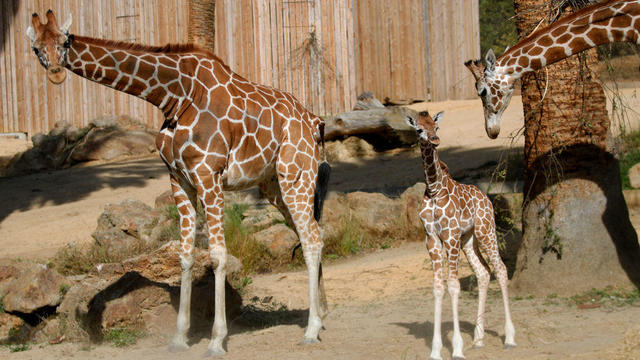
(384, 128)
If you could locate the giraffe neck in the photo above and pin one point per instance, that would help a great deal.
(433, 174)
(161, 76)
(602, 23)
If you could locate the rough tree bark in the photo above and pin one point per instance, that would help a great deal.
(576, 229)
(202, 23)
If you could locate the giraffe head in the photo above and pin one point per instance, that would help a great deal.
(51, 44)
(426, 127)
(494, 89)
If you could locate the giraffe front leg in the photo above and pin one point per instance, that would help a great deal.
(212, 200)
(434, 247)
(453, 285)
(184, 197)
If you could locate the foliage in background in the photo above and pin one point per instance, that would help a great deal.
(497, 26)
(629, 156)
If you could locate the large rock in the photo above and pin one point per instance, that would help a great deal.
(124, 226)
(113, 142)
(279, 239)
(12, 329)
(143, 292)
(261, 217)
(33, 286)
(66, 145)
(376, 214)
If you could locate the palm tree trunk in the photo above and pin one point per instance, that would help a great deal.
(202, 23)
(576, 229)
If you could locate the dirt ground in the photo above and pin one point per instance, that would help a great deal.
(381, 303)
(381, 307)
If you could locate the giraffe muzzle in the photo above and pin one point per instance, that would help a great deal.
(56, 74)
(434, 140)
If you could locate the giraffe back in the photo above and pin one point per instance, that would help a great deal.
(227, 123)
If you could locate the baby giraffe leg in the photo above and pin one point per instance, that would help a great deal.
(480, 268)
(434, 247)
(454, 291)
(490, 246)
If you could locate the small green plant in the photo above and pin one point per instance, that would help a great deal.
(608, 295)
(1, 304)
(64, 288)
(629, 156)
(122, 337)
(347, 240)
(552, 242)
(19, 347)
(245, 281)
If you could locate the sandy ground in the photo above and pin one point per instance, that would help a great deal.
(381, 303)
(381, 307)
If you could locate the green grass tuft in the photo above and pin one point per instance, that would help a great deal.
(122, 337)
(629, 156)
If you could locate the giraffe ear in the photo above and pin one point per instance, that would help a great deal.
(67, 25)
(490, 58)
(411, 122)
(31, 34)
(439, 116)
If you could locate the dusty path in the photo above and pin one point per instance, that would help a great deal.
(382, 308)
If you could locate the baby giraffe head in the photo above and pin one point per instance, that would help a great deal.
(51, 45)
(426, 127)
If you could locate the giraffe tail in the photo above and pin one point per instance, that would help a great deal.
(322, 181)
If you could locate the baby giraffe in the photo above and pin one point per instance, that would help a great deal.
(457, 216)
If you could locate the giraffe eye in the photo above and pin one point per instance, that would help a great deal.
(483, 92)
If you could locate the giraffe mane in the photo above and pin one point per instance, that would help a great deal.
(170, 48)
(585, 11)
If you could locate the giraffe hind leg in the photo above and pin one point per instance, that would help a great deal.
(271, 189)
(489, 245)
(481, 270)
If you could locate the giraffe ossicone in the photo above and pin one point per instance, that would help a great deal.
(457, 217)
(601, 23)
(221, 132)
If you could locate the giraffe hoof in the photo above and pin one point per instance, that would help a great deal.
(478, 345)
(509, 346)
(210, 353)
(177, 347)
(309, 341)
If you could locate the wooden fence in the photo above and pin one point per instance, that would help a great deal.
(323, 52)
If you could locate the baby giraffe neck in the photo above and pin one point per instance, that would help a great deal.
(433, 173)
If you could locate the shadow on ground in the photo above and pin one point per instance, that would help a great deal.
(392, 174)
(424, 330)
(69, 185)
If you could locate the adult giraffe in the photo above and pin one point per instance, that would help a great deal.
(221, 132)
(601, 23)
